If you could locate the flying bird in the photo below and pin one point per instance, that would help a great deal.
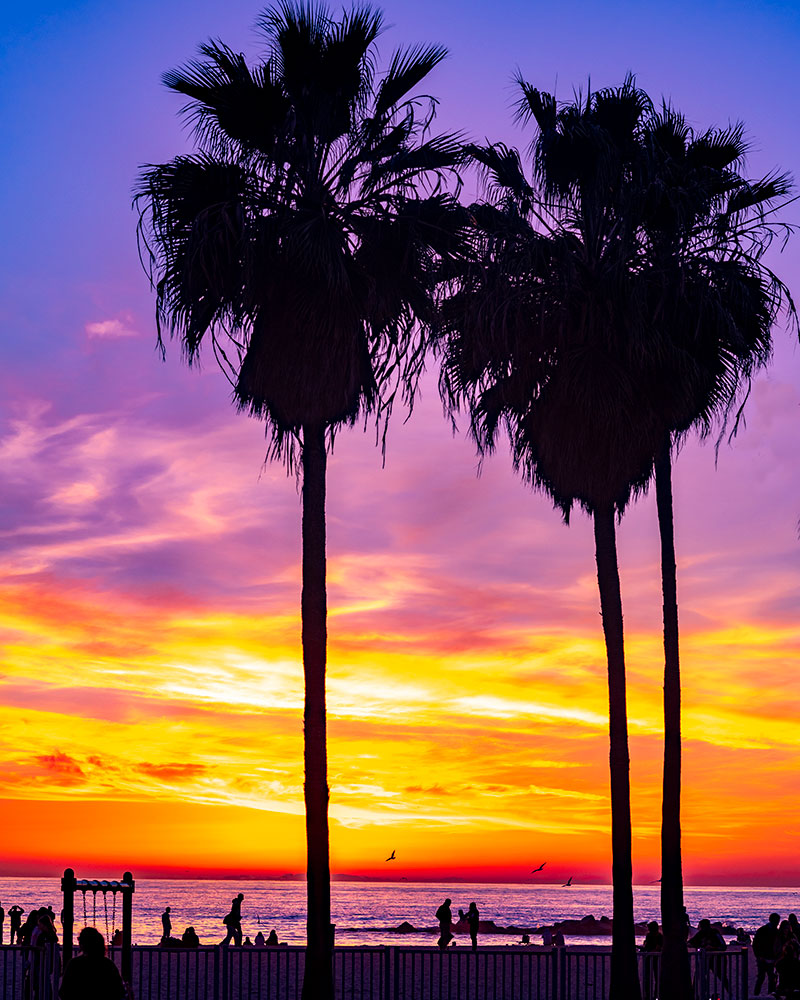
(568, 882)
(391, 857)
(534, 870)
(654, 881)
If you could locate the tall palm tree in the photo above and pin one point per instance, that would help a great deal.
(302, 240)
(705, 230)
(542, 337)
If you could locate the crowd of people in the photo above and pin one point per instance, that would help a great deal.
(776, 947)
(37, 929)
(233, 924)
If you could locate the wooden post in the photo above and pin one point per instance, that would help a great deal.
(67, 915)
(127, 928)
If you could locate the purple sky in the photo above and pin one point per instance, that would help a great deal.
(130, 486)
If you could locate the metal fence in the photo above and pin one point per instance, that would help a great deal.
(379, 973)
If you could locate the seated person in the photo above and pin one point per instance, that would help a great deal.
(654, 939)
(273, 937)
(190, 938)
(707, 937)
(90, 975)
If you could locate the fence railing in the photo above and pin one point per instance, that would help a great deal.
(377, 973)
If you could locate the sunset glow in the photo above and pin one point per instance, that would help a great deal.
(151, 689)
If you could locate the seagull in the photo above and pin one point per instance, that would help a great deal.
(654, 881)
(534, 870)
(391, 857)
(568, 882)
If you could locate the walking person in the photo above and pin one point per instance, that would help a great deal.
(473, 919)
(764, 946)
(445, 917)
(233, 921)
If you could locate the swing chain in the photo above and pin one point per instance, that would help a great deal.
(105, 904)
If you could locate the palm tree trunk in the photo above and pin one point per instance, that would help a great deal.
(624, 981)
(675, 977)
(318, 979)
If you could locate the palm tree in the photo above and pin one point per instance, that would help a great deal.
(302, 240)
(542, 337)
(705, 229)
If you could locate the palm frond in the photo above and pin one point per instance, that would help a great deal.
(407, 68)
(307, 238)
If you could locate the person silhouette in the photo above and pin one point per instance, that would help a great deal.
(259, 940)
(2, 922)
(654, 939)
(652, 946)
(15, 924)
(233, 921)
(445, 917)
(166, 924)
(91, 974)
(765, 942)
(190, 938)
(473, 919)
(273, 938)
(788, 969)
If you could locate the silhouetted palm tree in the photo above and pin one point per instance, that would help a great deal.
(302, 240)
(542, 337)
(705, 229)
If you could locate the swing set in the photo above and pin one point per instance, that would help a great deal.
(70, 885)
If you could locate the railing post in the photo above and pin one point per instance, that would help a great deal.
(223, 965)
(745, 987)
(214, 972)
(387, 970)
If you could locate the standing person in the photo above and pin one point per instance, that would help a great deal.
(91, 974)
(652, 946)
(166, 924)
(15, 924)
(788, 969)
(25, 932)
(233, 921)
(793, 923)
(764, 944)
(710, 940)
(46, 961)
(445, 917)
(473, 919)
(2, 921)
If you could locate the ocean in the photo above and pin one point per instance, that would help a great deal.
(364, 911)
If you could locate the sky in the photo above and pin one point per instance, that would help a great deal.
(151, 678)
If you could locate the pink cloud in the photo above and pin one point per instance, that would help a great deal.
(111, 329)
